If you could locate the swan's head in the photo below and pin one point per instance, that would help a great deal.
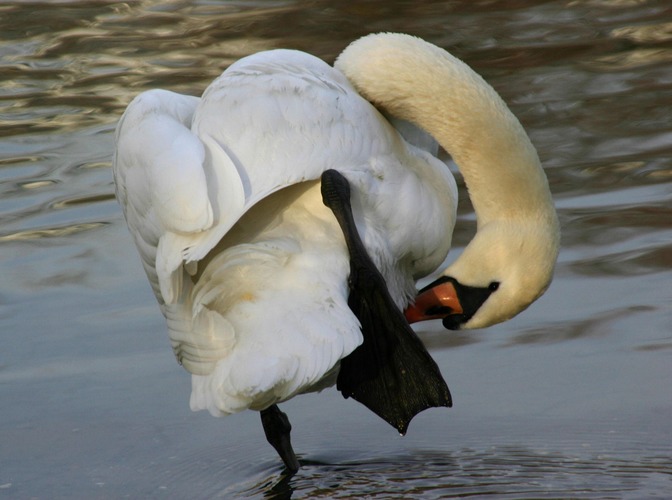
(506, 267)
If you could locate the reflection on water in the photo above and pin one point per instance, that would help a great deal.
(508, 472)
(571, 399)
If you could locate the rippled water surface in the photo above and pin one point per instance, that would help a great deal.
(572, 399)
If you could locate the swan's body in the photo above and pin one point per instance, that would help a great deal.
(222, 197)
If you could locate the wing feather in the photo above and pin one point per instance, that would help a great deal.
(187, 169)
(175, 193)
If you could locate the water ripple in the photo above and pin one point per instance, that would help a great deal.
(52, 232)
(499, 472)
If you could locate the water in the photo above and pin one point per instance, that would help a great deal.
(572, 399)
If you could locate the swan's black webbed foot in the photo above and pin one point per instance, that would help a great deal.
(391, 373)
(277, 429)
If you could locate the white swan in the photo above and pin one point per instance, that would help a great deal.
(222, 198)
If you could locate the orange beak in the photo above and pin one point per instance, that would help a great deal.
(434, 303)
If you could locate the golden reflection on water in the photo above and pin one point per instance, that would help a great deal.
(651, 33)
(634, 59)
(50, 232)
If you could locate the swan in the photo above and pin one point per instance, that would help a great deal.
(284, 218)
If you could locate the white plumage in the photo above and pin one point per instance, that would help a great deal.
(222, 197)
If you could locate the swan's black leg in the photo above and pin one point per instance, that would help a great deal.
(277, 429)
(391, 373)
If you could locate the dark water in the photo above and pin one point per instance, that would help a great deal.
(572, 399)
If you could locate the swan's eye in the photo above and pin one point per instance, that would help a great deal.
(493, 286)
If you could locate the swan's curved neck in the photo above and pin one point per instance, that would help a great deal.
(424, 84)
